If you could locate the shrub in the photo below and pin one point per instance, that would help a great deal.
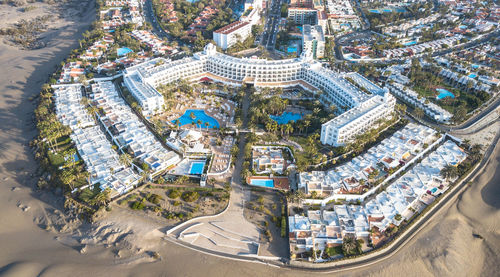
(190, 196)
(155, 198)
(174, 194)
(138, 205)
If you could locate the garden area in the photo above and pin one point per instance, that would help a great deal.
(461, 101)
(267, 210)
(176, 204)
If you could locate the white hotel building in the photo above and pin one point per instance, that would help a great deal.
(364, 109)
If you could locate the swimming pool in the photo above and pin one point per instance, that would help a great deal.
(410, 43)
(268, 183)
(192, 116)
(474, 66)
(123, 51)
(433, 190)
(291, 49)
(444, 93)
(197, 168)
(472, 75)
(374, 11)
(285, 117)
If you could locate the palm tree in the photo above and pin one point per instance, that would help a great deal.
(199, 123)
(125, 159)
(206, 125)
(449, 172)
(102, 198)
(349, 245)
(307, 123)
(177, 123)
(419, 113)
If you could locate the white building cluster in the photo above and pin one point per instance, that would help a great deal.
(128, 132)
(396, 150)
(411, 97)
(364, 110)
(408, 195)
(419, 48)
(101, 161)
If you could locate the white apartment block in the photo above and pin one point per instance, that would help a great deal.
(303, 15)
(344, 128)
(227, 36)
(313, 40)
(303, 71)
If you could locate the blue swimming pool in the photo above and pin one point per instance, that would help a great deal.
(374, 11)
(197, 168)
(285, 117)
(291, 49)
(123, 51)
(192, 116)
(474, 66)
(444, 93)
(410, 43)
(433, 190)
(268, 183)
(472, 75)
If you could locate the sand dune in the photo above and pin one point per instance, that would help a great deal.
(119, 244)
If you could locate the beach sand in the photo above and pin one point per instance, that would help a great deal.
(120, 243)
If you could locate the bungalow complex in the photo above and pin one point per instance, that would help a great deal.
(323, 229)
(363, 109)
(419, 48)
(151, 40)
(268, 159)
(71, 72)
(396, 150)
(414, 99)
(128, 132)
(101, 161)
(407, 196)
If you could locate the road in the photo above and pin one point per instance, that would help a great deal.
(150, 17)
(271, 27)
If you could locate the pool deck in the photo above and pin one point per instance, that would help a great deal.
(281, 183)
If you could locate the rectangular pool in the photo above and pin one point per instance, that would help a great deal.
(197, 168)
(268, 183)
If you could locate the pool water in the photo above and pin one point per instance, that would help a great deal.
(198, 115)
(291, 49)
(474, 66)
(410, 43)
(268, 183)
(197, 168)
(123, 51)
(433, 190)
(444, 93)
(285, 117)
(472, 75)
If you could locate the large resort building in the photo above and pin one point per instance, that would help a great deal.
(362, 109)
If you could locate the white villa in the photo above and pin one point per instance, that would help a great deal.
(268, 159)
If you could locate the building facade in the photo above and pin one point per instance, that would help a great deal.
(359, 110)
(313, 40)
(227, 36)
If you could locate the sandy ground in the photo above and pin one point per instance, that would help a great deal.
(120, 243)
